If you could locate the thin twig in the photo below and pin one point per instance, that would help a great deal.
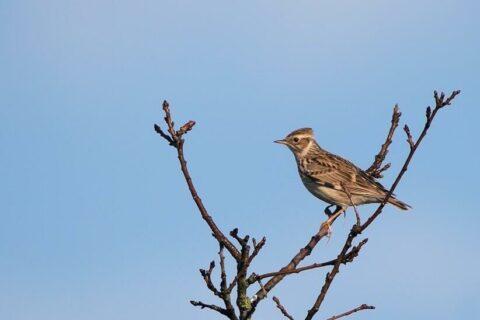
(302, 254)
(233, 283)
(282, 308)
(163, 134)
(207, 277)
(254, 277)
(176, 140)
(224, 291)
(209, 306)
(357, 215)
(348, 258)
(331, 275)
(440, 103)
(256, 248)
(410, 141)
(223, 273)
(347, 313)
(261, 285)
(241, 241)
(374, 170)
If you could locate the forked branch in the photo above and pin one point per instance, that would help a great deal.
(440, 102)
(376, 169)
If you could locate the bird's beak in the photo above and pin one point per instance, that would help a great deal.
(281, 141)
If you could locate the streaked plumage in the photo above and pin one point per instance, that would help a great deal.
(330, 177)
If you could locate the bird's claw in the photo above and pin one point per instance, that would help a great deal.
(327, 210)
(329, 231)
(331, 218)
(328, 225)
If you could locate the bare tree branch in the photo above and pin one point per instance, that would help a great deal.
(357, 215)
(347, 313)
(209, 306)
(348, 258)
(175, 139)
(410, 141)
(223, 273)
(282, 308)
(440, 103)
(302, 254)
(243, 301)
(224, 290)
(206, 274)
(331, 275)
(163, 134)
(375, 170)
(256, 248)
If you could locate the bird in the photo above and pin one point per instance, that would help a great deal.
(332, 178)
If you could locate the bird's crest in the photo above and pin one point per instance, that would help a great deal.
(301, 132)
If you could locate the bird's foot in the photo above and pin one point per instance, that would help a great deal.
(329, 212)
(329, 231)
(331, 218)
(327, 224)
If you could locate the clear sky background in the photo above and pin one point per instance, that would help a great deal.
(96, 220)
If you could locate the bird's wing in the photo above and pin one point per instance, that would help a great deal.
(340, 174)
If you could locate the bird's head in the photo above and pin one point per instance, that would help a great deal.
(299, 141)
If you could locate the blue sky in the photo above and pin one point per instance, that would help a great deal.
(96, 221)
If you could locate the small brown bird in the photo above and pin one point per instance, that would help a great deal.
(331, 178)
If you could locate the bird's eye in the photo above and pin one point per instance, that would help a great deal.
(296, 139)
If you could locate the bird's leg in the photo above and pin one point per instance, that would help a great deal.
(357, 215)
(338, 211)
(331, 218)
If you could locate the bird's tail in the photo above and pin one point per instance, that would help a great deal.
(399, 204)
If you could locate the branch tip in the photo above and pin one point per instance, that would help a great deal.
(410, 141)
(186, 127)
(282, 308)
(376, 169)
(165, 105)
(347, 313)
(428, 113)
(159, 130)
(209, 306)
(440, 101)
